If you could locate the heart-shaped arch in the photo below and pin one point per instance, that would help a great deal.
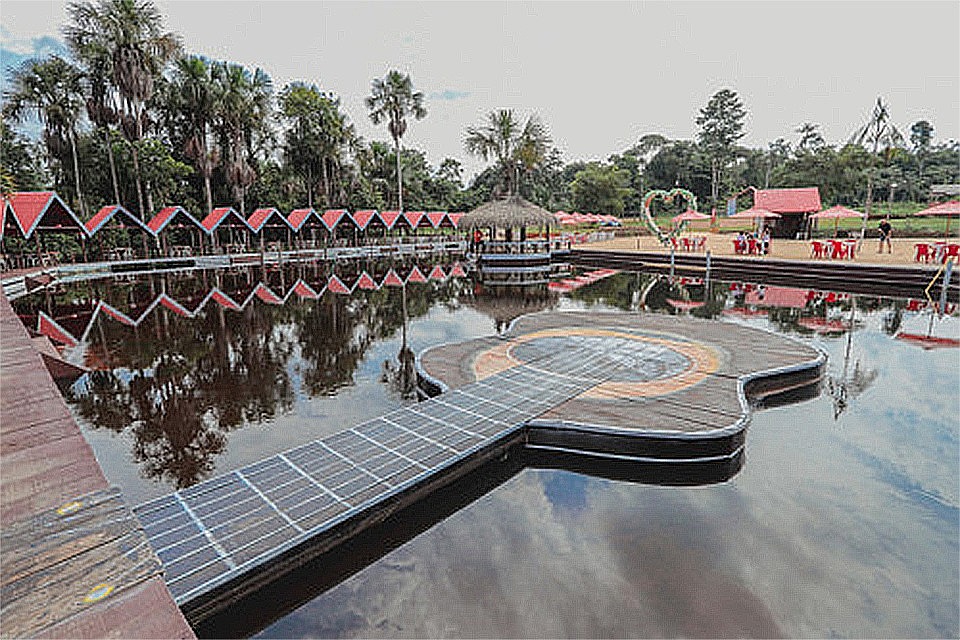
(667, 197)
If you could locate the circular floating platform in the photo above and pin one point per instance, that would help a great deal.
(673, 388)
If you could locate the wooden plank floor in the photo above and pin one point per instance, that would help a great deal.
(74, 562)
(225, 528)
(215, 536)
(698, 404)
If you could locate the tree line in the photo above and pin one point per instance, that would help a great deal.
(132, 118)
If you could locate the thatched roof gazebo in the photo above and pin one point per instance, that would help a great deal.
(512, 212)
(508, 261)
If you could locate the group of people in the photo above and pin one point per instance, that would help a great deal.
(753, 242)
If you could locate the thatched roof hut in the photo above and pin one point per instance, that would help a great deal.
(512, 212)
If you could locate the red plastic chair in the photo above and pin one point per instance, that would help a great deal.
(752, 245)
(952, 251)
(686, 243)
(817, 249)
(839, 250)
(923, 252)
(737, 246)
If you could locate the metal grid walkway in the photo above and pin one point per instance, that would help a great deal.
(218, 530)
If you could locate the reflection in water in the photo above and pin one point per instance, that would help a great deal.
(839, 523)
(253, 613)
(849, 384)
(178, 363)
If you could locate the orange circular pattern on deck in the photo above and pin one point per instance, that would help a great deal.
(703, 361)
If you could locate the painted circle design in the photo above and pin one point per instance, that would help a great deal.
(633, 360)
(644, 365)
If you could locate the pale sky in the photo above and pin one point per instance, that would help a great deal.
(600, 75)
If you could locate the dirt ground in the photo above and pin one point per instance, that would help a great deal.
(903, 250)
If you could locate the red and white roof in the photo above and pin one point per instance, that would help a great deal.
(111, 211)
(224, 215)
(166, 217)
(800, 200)
(259, 219)
(35, 210)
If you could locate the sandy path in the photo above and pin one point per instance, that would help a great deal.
(903, 250)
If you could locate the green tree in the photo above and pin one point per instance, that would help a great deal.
(721, 125)
(52, 89)
(810, 138)
(190, 108)
(102, 108)
(317, 140)
(877, 135)
(391, 100)
(921, 137)
(681, 163)
(514, 147)
(242, 108)
(600, 189)
(127, 38)
(19, 167)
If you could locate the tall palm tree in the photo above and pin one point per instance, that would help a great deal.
(392, 99)
(102, 109)
(514, 146)
(51, 87)
(129, 35)
(191, 106)
(244, 102)
(877, 134)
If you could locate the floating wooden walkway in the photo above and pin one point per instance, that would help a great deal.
(222, 539)
(75, 562)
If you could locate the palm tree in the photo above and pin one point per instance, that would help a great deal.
(53, 89)
(319, 140)
(392, 99)
(102, 109)
(513, 146)
(129, 36)
(191, 104)
(877, 134)
(244, 101)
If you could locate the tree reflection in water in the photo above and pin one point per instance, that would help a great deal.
(178, 378)
(180, 385)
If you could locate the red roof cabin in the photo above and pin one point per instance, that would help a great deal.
(175, 227)
(237, 228)
(271, 226)
(28, 212)
(793, 205)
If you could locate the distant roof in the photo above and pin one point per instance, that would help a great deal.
(260, 217)
(223, 214)
(945, 189)
(801, 200)
(167, 215)
(34, 210)
(298, 217)
(107, 213)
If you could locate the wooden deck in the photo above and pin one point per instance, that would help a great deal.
(702, 397)
(224, 538)
(73, 560)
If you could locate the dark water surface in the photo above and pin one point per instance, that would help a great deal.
(843, 520)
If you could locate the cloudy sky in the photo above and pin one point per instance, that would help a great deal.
(599, 74)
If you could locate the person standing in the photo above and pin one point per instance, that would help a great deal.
(885, 232)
